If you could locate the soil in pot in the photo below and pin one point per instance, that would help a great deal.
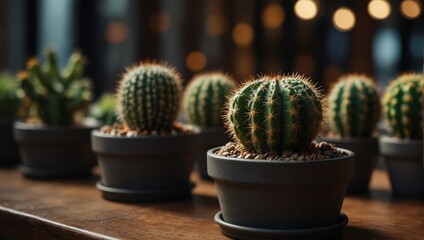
(404, 161)
(145, 168)
(366, 156)
(55, 151)
(281, 192)
(9, 153)
(211, 137)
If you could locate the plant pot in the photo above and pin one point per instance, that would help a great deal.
(55, 151)
(9, 153)
(366, 156)
(404, 161)
(146, 168)
(290, 197)
(211, 137)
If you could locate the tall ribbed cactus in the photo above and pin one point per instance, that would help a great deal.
(10, 96)
(57, 95)
(149, 97)
(354, 106)
(205, 98)
(275, 113)
(403, 105)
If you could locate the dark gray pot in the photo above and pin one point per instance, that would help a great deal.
(145, 169)
(281, 195)
(55, 151)
(404, 161)
(211, 137)
(9, 153)
(366, 156)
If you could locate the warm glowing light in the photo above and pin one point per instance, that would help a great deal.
(195, 61)
(116, 32)
(306, 9)
(410, 8)
(344, 19)
(273, 16)
(243, 34)
(216, 24)
(379, 9)
(159, 22)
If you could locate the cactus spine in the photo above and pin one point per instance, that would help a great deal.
(403, 106)
(149, 97)
(10, 96)
(354, 106)
(275, 113)
(57, 95)
(205, 98)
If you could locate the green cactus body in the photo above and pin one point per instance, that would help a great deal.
(354, 107)
(10, 96)
(149, 97)
(205, 98)
(403, 106)
(277, 113)
(57, 95)
(104, 109)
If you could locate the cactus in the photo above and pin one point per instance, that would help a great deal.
(57, 95)
(104, 109)
(354, 107)
(205, 98)
(275, 113)
(10, 96)
(148, 97)
(403, 106)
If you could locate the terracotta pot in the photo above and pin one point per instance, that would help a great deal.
(276, 195)
(55, 151)
(9, 153)
(366, 156)
(147, 168)
(404, 161)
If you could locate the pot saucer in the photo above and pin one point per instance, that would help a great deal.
(133, 195)
(246, 233)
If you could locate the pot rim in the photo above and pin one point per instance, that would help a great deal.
(265, 161)
(87, 123)
(363, 140)
(98, 134)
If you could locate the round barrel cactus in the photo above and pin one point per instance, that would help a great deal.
(354, 107)
(403, 106)
(205, 98)
(275, 113)
(148, 97)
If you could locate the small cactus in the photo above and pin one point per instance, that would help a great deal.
(403, 106)
(205, 98)
(275, 113)
(148, 97)
(104, 109)
(57, 95)
(10, 96)
(354, 107)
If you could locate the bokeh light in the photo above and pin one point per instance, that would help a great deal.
(243, 34)
(306, 9)
(344, 19)
(116, 32)
(410, 9)
(216, 24)
(196, 61)
(273, 16)
(379, 9)
(159, 22)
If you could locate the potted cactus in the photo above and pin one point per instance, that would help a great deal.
(10, 99)
(403, 151)
(55, 144)
(104, 109)
(203, 104)
(274, 181)
(149, 157)
(353, 112)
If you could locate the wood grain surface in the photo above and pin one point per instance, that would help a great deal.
(74, 209)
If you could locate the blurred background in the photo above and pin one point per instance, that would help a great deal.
(321, 39)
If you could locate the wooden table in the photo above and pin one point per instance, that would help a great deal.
(74, 209)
